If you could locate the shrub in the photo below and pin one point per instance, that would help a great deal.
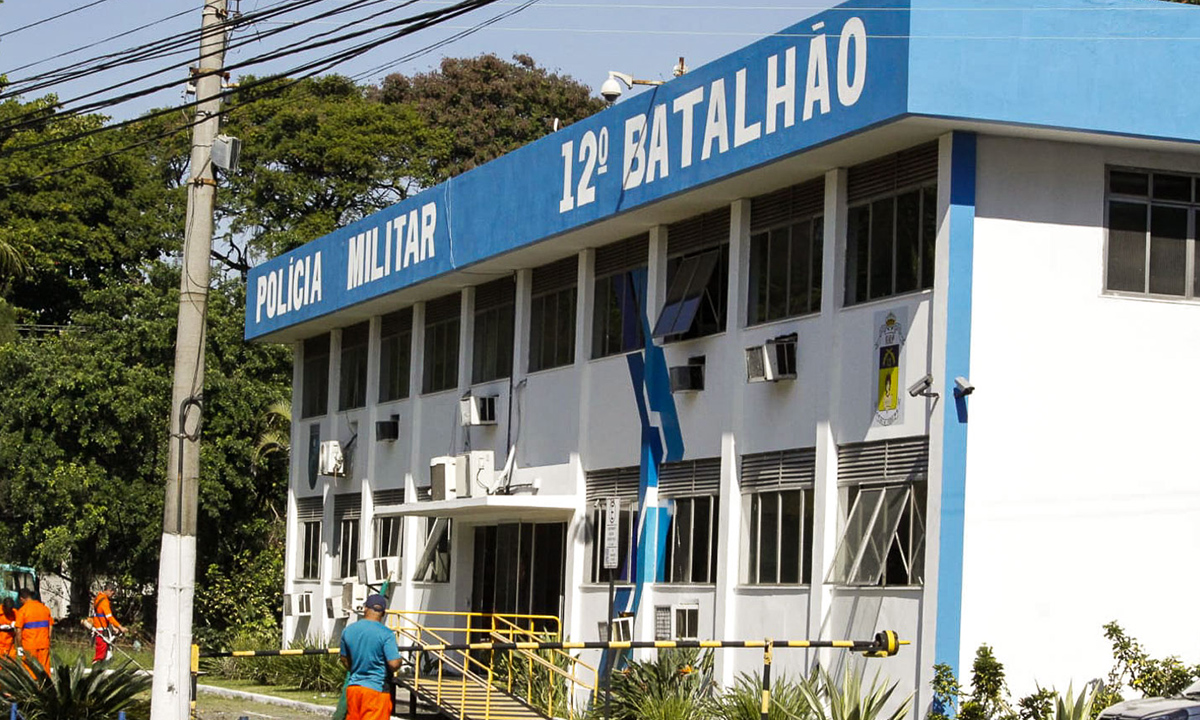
(70, 691)
(743, 701)
(847, 699)
(676, 685)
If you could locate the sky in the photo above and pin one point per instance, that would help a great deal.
(581, 38)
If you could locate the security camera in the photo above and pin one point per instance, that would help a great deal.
(963, 387)
(921, 386)
(611, 89)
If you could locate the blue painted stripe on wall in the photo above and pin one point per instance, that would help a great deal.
(954, 433)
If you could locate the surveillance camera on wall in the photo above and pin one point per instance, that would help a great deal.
(963, 386)
(611, 89)
(921, 386)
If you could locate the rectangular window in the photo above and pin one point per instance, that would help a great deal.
(493, 345)
(441, 343)
(891, 233)
(619, 295)
(697, 278)
(552, 315)
(347, 544)
(395, 355)
(352, 388)
(622, 485)
(310, 558)
(692, 540)
(388, 531)
(786, 248)
(777, 517)
(435, 568)
(883, 540)
(1152, 234)
(687, 622)
(315, 377)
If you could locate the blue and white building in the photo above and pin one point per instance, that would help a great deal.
(884, 321)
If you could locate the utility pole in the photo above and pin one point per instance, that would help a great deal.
(171, 694)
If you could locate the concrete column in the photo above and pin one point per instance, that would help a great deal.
(367, 442)
(520, 368)
(656, 277)
(584, 313)
(330, 430)
(298, 442)
(411, 536)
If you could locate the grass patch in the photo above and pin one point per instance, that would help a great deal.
(329, 699)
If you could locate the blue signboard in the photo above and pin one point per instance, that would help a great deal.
(838, 72)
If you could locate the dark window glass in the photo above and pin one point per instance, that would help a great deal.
(858, 253)
(768, 553)
(1168, 250)
(785, 272)
(623, 574)
(352, 388)
(552, 330)
(395, 363)
(441, 356)
(790, 525)
(347, 548)
(617, 315)
(779, 542)
(908, 242)
(493, 349)
(691, 541)
(1124, 182)
(891, 245)
(388, 530)
(1172, 187)
(315, 377)
(695, 302)
(310, 561)
(1126, 246)
(882, 256)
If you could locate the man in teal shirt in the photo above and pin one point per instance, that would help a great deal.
(369, 651)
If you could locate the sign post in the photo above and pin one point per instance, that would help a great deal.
(612, 561)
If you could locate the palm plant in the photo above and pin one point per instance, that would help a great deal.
(277, 436)
(848, 700)
(1072, 707)
(70, 691)
(11, 262)
(677, 685)
(743, 701)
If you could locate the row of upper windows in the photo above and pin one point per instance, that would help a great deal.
(890, 243)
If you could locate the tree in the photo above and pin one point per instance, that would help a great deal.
(491, 106)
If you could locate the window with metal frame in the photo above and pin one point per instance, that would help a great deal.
(492, 350)
(883, 540)
(308, 517)
(697, 277)
(442, 322)
(622, 484)
(352, 387)
(777, 507)
(438, 570)
(1151, 245)
(315, 377)
(891, 230)
(552, 315)
(347, 512)
(786, 249)
(618, 296)
(389, 529)
(691, 489)
(395, 355)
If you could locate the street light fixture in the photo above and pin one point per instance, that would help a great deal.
(611, 89)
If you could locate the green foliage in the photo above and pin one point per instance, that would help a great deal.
(946, 692)
(318, 673)
(1072, 707)
(848, 699)
(70, 691)
(1132, 665)
(1038, 705)
(488, 106)
(743, 701)
(988, 699)
(676, 685)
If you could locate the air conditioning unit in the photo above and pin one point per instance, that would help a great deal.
(298, 604)
(688, 378)
(354, 596)
(332, 462)
(477, 410)
(378, 570)
(443, 476)
(475, 472)
(772, 361)
(335, 609)
(388, 429)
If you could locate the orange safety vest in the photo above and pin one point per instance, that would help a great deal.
(35, 622)
(102, 616)
(8, 638)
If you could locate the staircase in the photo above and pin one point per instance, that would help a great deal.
(486, 684)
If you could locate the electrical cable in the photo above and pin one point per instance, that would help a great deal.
(43, 21)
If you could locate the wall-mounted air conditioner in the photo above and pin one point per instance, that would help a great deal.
(475, 473)
(443, 478)
(331, 460)
(354, 596)
(334, 609)
(297, 604)
(388, 430)
(378, 570)
(772, 361)
(688, 378)
(477, 410)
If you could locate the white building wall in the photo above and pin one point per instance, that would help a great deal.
(1081, 500)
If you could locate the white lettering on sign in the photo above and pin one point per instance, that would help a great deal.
(282, 291)
(406, 240)
(667, 133)
(612, 534)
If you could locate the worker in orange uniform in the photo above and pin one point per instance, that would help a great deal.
(104, 626)
(8, 628)
(34, 624)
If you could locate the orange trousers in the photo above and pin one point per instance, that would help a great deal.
(367, 704)
(41, 654)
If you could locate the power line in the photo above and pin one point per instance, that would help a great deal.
(43, 21)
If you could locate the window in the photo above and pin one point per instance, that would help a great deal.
(1152, 234)
(697, 277)
(777, 507)
(891, 233)
(347, 511)
(434, 566)
(315, 377)
(786, 240)
(441, 343)
(687, 622)
(352, 390)
(395, 355)
(622, 484)
(388, 531)
(308, 517)
(493, 346)
(552, 315)
(619, 294)
(883, 540)
(691, 489)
